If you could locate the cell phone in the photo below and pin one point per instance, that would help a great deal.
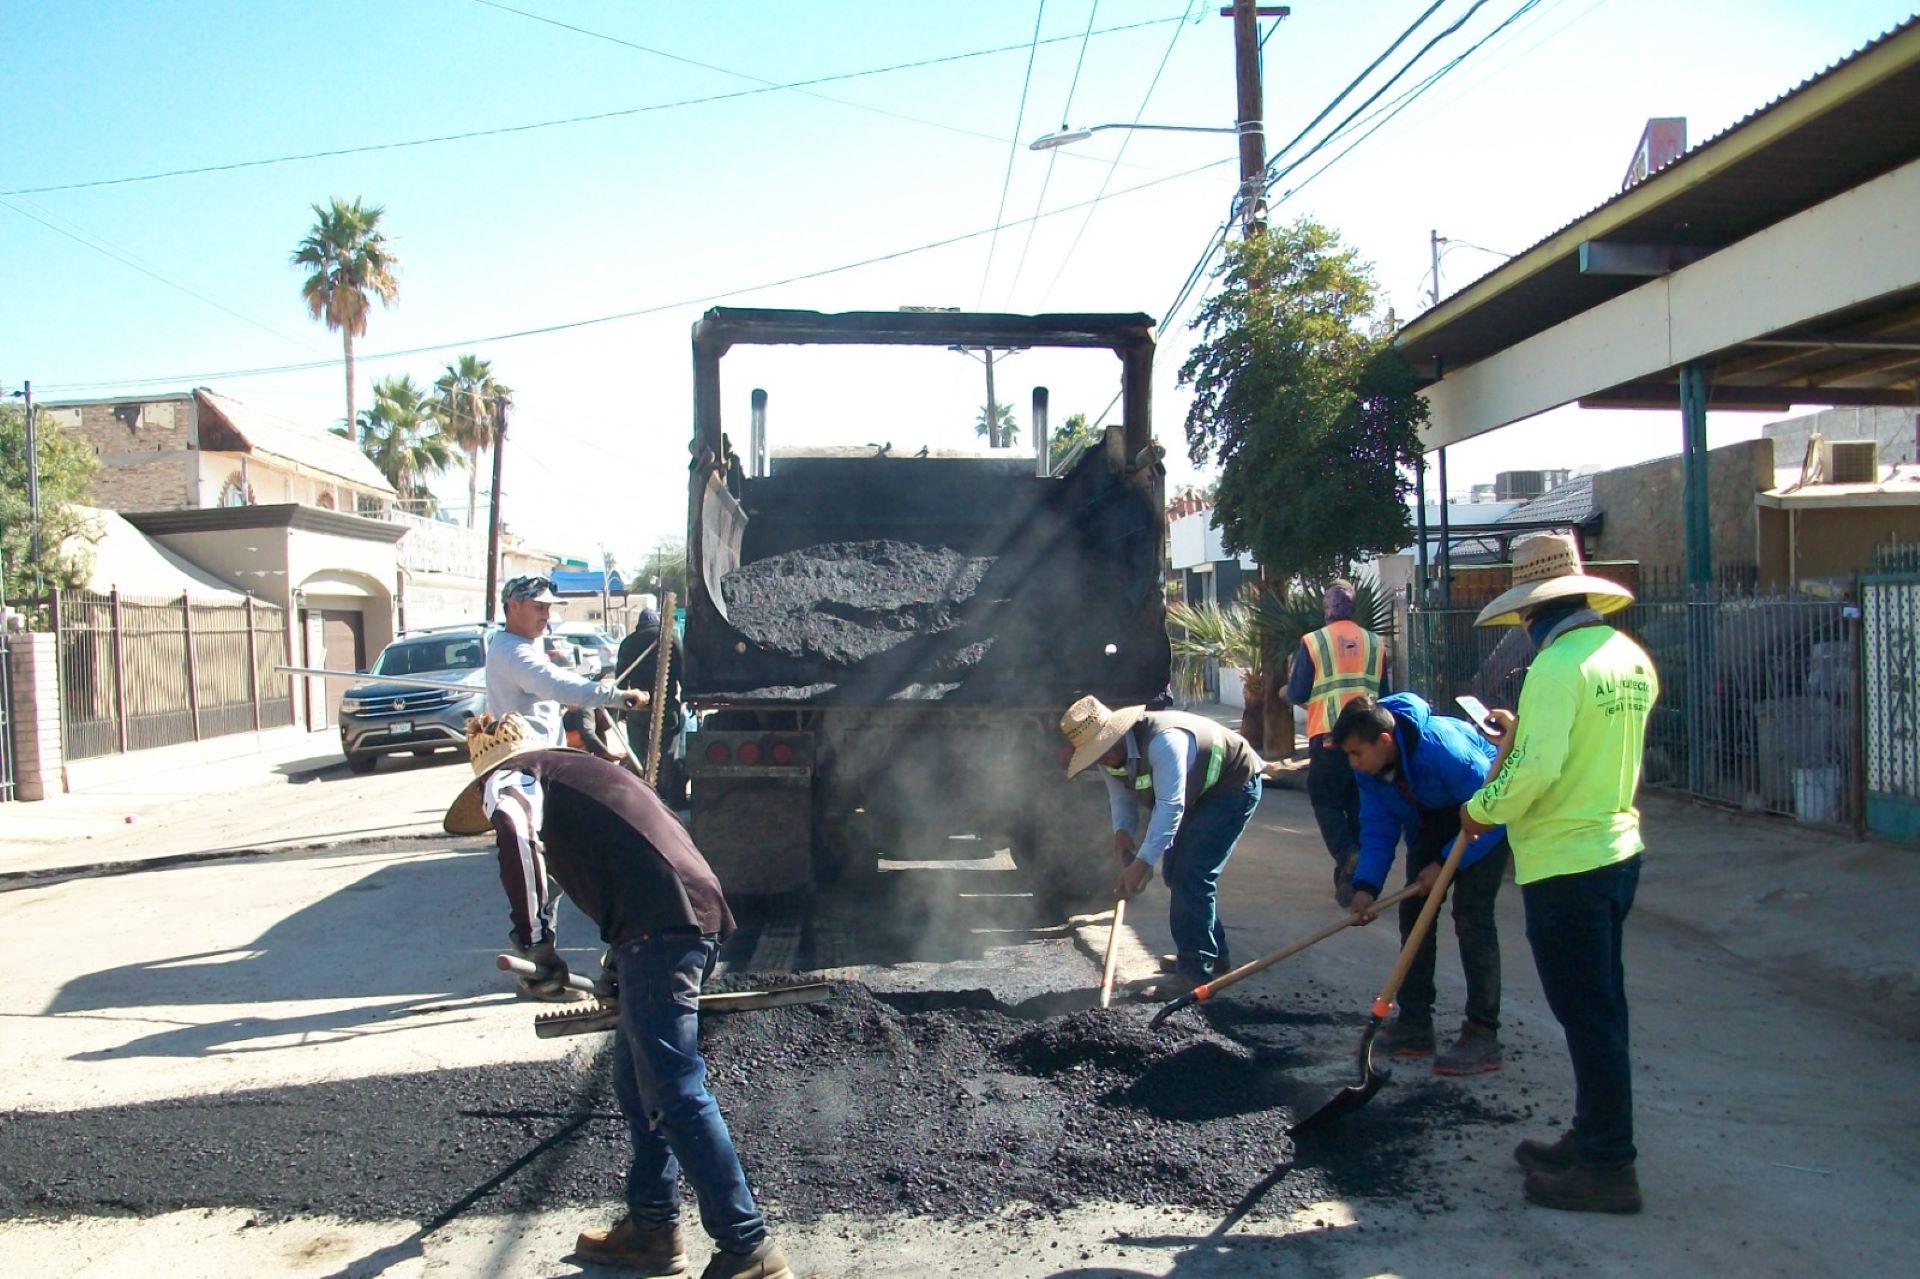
(1478, 715)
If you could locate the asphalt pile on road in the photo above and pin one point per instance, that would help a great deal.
(951, 1106)
(844, 602)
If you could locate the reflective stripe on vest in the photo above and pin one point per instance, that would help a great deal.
(1336, 681)
(1143, 782)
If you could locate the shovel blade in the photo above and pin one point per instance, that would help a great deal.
(1352, 1097)
(1187, 1000)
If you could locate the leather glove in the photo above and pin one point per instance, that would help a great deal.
(552, 978)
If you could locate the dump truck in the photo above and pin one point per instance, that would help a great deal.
(880, 646)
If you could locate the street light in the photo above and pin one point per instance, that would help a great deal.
(1066, 136)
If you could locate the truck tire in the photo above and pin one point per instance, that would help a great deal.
(361, 765)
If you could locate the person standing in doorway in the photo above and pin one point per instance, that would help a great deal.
(1564, 788)
(1335, 664)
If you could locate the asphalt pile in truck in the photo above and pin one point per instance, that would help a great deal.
(944, 1105)
(844, 602)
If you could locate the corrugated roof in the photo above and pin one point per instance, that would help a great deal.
(258, 431)
(1850, 123)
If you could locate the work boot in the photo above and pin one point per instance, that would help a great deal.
(1163, 989)
(652, 1250)
(764, 1262)
(1541, 1156)
(1169, 963)
(1585, 1189)
(1475, 1052)
(1404, 1038)
(1343, 869)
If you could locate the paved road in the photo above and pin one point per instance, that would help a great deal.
(304, 1064)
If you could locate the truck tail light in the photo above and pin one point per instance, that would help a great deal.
(718, 753)
(749, 752)
(780, 752)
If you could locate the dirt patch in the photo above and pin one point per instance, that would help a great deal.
(953, 1108)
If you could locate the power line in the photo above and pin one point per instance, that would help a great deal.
(100, 246)
(468, 135)
(1013, 150)
(1053, 153)
(1125, 138)
(639, 312)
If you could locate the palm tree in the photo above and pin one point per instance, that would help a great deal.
(999, 433)
(468, 401)
(403, 439)
(349, 263)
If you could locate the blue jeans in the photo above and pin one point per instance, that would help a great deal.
(660, 1080)
(1574, 924)
(1201, 846)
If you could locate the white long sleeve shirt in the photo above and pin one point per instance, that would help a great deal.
(1169, 757)
(520, 678)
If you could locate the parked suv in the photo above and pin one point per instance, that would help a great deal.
(386, 719)
(596, 651)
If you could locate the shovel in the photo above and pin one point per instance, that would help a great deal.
(1200, 994)
(1354, 1096)
(728, 1001)
(1113, 952)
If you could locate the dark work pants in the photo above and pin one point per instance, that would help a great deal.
(1201, 846)
(1335, 797)
(1473, 893)
(1574, 924)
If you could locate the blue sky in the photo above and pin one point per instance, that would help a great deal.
(645, 211)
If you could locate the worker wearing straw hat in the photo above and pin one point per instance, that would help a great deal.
(1564, 786)
(1194, 784)
(629, 865)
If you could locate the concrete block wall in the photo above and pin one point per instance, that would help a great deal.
(37, 762)
(1646, 519)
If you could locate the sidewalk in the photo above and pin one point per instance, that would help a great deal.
(297, 795)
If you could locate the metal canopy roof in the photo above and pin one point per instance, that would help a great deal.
(1856, 121)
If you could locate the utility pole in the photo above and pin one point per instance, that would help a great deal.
(1246, 17)
(33, 488)
(1434, 241)
(995, 438)
(493, 508)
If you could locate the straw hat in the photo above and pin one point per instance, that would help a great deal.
(490, 743)
(1093, 729)
(1546, 568)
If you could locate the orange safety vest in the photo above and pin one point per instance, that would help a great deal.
(1348, 660)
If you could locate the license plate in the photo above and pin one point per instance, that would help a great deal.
(400, 726)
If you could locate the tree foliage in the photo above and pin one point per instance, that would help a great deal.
(1000, 432)
(403, 439)
(468, 400)
(1299, 399)
(348, 263)
(1074, 433)
(1234, 635)
(662, 567)
(65, 535)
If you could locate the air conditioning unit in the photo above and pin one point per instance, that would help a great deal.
(1850, 462)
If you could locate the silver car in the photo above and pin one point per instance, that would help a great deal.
(387, 719)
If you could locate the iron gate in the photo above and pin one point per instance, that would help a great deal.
(1890, 622)
(6, 715)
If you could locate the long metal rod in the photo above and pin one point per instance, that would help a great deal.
(410, 681)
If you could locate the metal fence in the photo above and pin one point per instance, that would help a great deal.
(1759, 692)
(139, 672)
(1890, 623)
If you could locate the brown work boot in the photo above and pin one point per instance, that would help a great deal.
(764, 1262)
(652, 1250)
(1163, 989)
(1541, 1156)
(1584, 1189)
(1403, 1038)
(1475, 1052)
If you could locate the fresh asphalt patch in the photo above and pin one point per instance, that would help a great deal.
(946, 1105)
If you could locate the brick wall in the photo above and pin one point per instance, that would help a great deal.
(146, 452)
(36, 717)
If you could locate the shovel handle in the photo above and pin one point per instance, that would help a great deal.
(1113, 952)
(1208, 990)
(521, 968)
(1384, 1003)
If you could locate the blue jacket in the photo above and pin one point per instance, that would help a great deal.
(1448, 762)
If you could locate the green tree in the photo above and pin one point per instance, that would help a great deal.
(999, 432)
(662, 568)
(348, 263)
(1071, 434)
(468, 401)
(1299, 398)
(64, 536)
(402, 437)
